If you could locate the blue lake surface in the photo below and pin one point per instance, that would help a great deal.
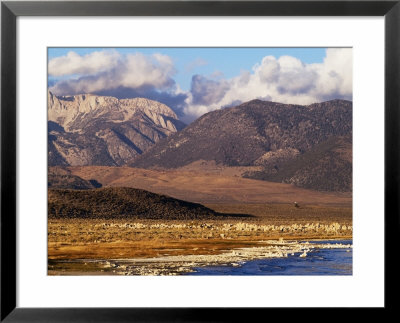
(317, 262)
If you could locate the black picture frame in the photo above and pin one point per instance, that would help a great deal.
(10, 10)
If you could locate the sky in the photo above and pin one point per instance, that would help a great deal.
(193, 81)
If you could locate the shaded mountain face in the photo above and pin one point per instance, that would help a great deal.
(124, 202)
(325, 167)
(271, 135)
(97, 130)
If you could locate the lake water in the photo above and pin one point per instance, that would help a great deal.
(317, 262)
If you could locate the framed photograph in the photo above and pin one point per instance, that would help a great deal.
(197, 160)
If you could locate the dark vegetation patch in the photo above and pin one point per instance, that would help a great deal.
(61, 178)
(95, 183)
(123, 202)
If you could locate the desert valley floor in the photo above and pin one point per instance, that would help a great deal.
(261, 221)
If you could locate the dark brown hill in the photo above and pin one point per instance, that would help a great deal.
(123, 202)
(242, 135)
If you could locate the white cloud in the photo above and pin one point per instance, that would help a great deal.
(336, 73)
(72, 63)
(102, 71)
(285, 79)
(268, 70)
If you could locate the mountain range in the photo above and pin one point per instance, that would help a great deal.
(308, 146)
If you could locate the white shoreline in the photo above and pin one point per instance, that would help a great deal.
(181, 264)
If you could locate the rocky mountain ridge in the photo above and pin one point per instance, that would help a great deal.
(98, 130)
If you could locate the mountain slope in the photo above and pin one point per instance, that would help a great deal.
(242, 135)
(258, 133)
(97, 130)
(325, 167)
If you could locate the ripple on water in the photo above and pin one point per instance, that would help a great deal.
(317, 262)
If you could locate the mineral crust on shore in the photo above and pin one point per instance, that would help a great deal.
(181, 264)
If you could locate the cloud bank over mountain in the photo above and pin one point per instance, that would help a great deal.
(101, 71)
(284, 79)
